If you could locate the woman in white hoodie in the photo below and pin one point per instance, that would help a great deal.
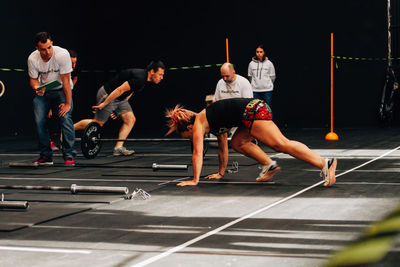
(262, 76)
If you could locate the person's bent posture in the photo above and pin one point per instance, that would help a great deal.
(49, 69)
(253, 119)
(112, 98)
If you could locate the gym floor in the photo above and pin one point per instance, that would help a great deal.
(290, 221)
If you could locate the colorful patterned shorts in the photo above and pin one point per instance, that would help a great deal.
(256, 110)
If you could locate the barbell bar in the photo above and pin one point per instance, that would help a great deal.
(95, 139)
(12, 204)
(8, 204)
(24, 164)
(154, 166)
(91, 141)
(74, 188)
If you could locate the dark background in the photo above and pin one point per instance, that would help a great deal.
(111, 35)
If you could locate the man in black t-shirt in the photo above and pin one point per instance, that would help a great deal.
(113, 97)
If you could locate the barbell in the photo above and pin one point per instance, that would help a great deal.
(12, 204)
(74, 189)
(91, 141)
(7, 204)
(154, 166)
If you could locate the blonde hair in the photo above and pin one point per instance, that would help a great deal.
(179, 119)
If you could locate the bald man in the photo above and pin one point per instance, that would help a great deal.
(232, 85)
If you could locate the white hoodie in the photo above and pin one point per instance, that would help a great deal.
(262, 75)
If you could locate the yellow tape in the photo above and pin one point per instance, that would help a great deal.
(101, 71)
(365, 58)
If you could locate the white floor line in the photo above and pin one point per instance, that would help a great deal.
(48, 250)
(368, 162)
(367, 183)
(223, 227)
(387, 170)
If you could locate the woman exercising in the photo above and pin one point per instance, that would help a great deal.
(253, 117)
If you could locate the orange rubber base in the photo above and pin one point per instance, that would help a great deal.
(332, 136)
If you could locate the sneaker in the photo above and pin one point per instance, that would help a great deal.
(53, 146)
(328, 171)
(42, 161)
(268, 172)
(122, 151)
(69, 162)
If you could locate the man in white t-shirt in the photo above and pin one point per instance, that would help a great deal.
(52, 64)
(232, 85)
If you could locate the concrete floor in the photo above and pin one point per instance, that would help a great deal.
(290, 221)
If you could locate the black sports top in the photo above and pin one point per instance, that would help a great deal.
(137, 79)
(225, 114)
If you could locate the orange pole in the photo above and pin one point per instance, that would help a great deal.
(227, 50)
(331, 135)
(331, 82)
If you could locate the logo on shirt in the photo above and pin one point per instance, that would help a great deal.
(230, 91)
(49, 71)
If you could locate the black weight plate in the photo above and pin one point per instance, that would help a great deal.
(90, 148)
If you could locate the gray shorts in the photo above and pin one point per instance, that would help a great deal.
(117, 106)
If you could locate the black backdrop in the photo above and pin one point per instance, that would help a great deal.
(111, 35)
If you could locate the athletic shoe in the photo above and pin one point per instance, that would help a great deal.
(69, 162)
(268, 172)
(328, 171)
(53, 146)
(122, 151)
(42, 161)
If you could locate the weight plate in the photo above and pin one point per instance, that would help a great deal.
(90, 147)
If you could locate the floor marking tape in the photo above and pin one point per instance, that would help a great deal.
(52, 250)
(366, 183)
(368, 162)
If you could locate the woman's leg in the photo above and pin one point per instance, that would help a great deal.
(241, 142)
(269, 134)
